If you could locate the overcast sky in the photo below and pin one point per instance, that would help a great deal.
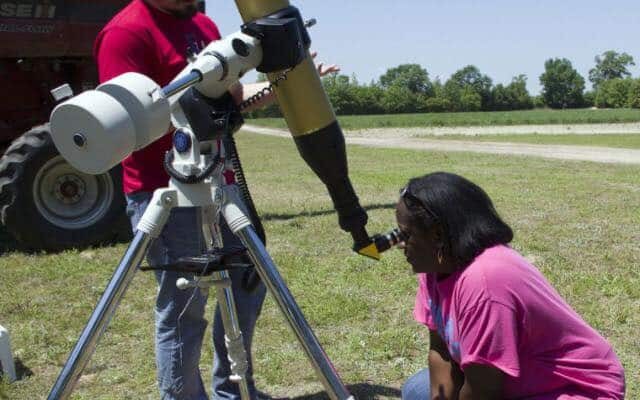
(503, 38)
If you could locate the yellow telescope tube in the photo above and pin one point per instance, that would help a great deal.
(303, 101)
(320, 141)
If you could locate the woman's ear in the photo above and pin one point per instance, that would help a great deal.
(438, 234)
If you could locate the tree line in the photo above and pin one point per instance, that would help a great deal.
(408, 88)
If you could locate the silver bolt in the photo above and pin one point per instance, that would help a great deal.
(217, 196)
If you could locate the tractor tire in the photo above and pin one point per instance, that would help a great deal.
(46, 204)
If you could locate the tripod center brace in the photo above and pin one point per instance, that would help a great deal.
(97, 129)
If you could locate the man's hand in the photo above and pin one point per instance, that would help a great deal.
(322, 70)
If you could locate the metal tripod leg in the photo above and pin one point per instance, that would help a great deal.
(236, 353)
(241, 226)
(157, 214)
(100, 318)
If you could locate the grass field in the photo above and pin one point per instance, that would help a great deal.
(529, 117)
(578, 221)
(626, 141)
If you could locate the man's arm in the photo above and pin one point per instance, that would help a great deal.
(482, 382)
(241, 92)
(446, 377)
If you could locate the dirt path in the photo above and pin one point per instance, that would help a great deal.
(577, 129)
(414, 138)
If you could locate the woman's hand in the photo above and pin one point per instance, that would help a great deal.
(445, 376)
(482, 382)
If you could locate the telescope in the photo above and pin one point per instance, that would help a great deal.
(97, 129)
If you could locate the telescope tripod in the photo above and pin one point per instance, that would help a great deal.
(215, 201)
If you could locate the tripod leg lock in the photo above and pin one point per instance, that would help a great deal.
(157, 212)
(235, 217)
(237, 356)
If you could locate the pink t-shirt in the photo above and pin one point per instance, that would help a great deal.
(143, 39)
(500, 311)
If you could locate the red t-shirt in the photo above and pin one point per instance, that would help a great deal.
(143, 39)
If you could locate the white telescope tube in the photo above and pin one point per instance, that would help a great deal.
(93, 131)
(97, 129)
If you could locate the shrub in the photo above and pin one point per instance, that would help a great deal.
(437, 104)
(613, 93)
(633, 99)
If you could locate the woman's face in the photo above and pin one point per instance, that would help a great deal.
(421, 246)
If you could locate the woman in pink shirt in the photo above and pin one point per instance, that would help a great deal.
(497, 328)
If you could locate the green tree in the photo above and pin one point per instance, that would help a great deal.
(633, 100)
(437, 104)
(611, 65)
(452, 93)
(514, 96)
(500, 98)
(471, 77)
(614, 93)
(589, 98)
(520, 97)
(562, 85)
(348, 97)
(341, 93)
(368, 99)
(410, 76)
(399, 100)
(470, 100)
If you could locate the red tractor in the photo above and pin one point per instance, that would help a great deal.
(44, 202)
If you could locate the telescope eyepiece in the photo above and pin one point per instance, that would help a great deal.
(385, 241)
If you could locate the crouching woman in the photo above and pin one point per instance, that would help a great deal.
(497, 328)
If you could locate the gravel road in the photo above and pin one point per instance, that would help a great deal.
(578, 129)
(417, 138)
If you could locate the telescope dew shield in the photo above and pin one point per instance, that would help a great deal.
(317, 134)
(92, 140)
(97, 129)
(142, 99)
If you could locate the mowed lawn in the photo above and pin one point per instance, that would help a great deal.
(625, 141)
(577, 221)
(484, 118)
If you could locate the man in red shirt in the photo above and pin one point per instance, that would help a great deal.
(155, 37)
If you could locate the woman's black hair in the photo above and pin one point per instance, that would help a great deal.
(470, 223)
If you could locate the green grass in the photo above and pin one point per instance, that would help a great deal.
(625, 141)
(577, 220)
(530, 117)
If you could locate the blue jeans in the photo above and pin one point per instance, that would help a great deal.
(418, 387)
(180, 331)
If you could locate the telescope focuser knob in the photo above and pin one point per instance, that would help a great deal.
(181, 141)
